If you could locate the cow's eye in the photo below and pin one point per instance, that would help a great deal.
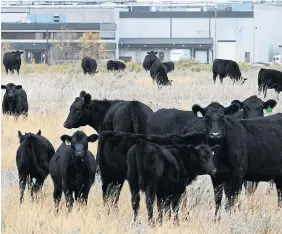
(222, 118)
(208, 118)
(78, 111)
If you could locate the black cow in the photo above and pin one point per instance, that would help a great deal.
(158, 71)
(169, 66)
(33, 157)
(165, 121)
(269, 79)
(15, 100)
(149, 59)
(252, 107)
(115, 66)
(224, 68)
(165, 173)
(111, 156)
(102, 115)
(89, 65)
(12, 61)
(250, 150)
(73, 169)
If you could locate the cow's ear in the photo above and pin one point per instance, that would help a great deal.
(18, 87)
(155, 52)
(233, 108)
(148, 52)
(20, 134)
(82, 94)
(93, 138)
(270, 103)
(215, 149)
(21, 52)
(13, 52)
(3, 86)
(66, 139)
(39, 132)
(238, 102)
(196, 108)
(191, 150)
(87, 99)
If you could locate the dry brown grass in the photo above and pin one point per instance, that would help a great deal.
(50, 96)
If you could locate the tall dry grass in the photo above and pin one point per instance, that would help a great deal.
(50, 95)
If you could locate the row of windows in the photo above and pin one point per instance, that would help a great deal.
(43, 35)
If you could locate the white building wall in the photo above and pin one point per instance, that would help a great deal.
(268, 35)
(238, 29)
(144, 28)
(194, 28)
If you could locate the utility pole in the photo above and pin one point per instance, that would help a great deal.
(215, 38)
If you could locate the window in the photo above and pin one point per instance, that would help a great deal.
(18, 35)
(247, 57)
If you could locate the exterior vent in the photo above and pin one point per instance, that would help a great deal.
(56, 18)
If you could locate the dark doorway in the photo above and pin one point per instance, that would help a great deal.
(161, 54)
(37, 57)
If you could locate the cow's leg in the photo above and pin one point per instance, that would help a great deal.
(278, 182)
(69, 199)
(234, 187)
(57, 195)
(270, 186)
(36, 187)
(214, 77)
(160, 204)
(6, 68)
(250, 187)
(22, 184)
(135, 197)
(111, 192)
(221, 79)
(18, 71)
(218, 192)
(175, 208)
(150, 198)
(84, 194)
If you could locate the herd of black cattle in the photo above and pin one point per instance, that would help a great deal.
(159, 153)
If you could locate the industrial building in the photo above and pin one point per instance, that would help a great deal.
(244, 32)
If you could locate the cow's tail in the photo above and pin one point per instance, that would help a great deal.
(139, 164)
(138, 117)
(33, 157)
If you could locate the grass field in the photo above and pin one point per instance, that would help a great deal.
(49, 97)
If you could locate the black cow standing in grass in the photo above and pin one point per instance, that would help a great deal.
(249, 150)
(169, 66)
(165, 173)
(12, 61)
(114, 115)
(115, 66)
(88, 65)
(253, 107)
(269, 79)
(158, 71)
(113, 147)
(33, 157)
(224, 68)
(73, 169)
(15, 100)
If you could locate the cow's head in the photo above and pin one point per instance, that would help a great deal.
(214, 115)
(23, 137)
(11, 89)
(253, 106)
(17, 54)
(79, 143)
(204, 155)
(152, 56)
(79, 111)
